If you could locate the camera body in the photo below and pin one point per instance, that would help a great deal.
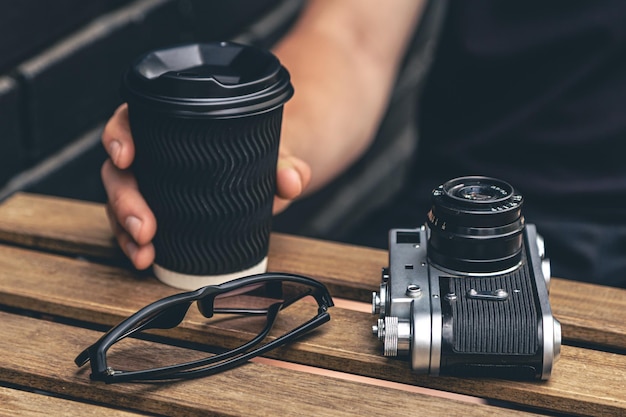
(467, 293)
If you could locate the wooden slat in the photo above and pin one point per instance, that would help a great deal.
(589, 313)
(14, 402)
(63, 225)
(81, 229)
(46, 362)
(98, 293)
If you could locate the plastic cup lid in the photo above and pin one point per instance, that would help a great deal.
(220, 79)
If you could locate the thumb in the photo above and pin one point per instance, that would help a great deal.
(293, 176)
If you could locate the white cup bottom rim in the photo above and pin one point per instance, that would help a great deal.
(193, 282)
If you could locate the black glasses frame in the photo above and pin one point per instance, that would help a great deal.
(169, 312)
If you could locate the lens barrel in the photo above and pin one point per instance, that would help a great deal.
(476, 225)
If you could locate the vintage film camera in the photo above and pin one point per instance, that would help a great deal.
(467, 293)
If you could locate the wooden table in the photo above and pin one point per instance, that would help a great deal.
(63, 281)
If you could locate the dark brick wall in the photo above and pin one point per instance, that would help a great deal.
(28, 26)
(10, 146)
(60, 64)
(72, 85)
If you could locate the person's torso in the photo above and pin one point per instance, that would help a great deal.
(532, 92)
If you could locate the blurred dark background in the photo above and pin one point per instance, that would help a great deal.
(60, 67)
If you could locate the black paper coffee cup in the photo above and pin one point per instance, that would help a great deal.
(206, 120)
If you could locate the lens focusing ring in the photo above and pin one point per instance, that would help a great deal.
(476, 202)
(476, 225)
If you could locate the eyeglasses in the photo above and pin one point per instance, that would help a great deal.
(252, 302)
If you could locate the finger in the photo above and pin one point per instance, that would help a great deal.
(280, 204)
(128, 206)
(292, 177)
(141, 256)
(117, 138)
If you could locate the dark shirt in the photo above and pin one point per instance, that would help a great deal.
(532, 92)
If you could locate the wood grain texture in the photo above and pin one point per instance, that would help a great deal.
(81, 229)
(588, 313)
(60, 225)
(104, 294)
(14, 402)
(250, 390)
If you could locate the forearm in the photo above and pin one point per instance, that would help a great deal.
(343, 57)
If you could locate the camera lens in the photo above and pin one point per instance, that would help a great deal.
(475, 192)
(475, 225)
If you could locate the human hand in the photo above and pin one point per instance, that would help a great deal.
(130, 217)
(131, 220)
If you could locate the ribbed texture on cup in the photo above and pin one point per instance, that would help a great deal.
(210, 184)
